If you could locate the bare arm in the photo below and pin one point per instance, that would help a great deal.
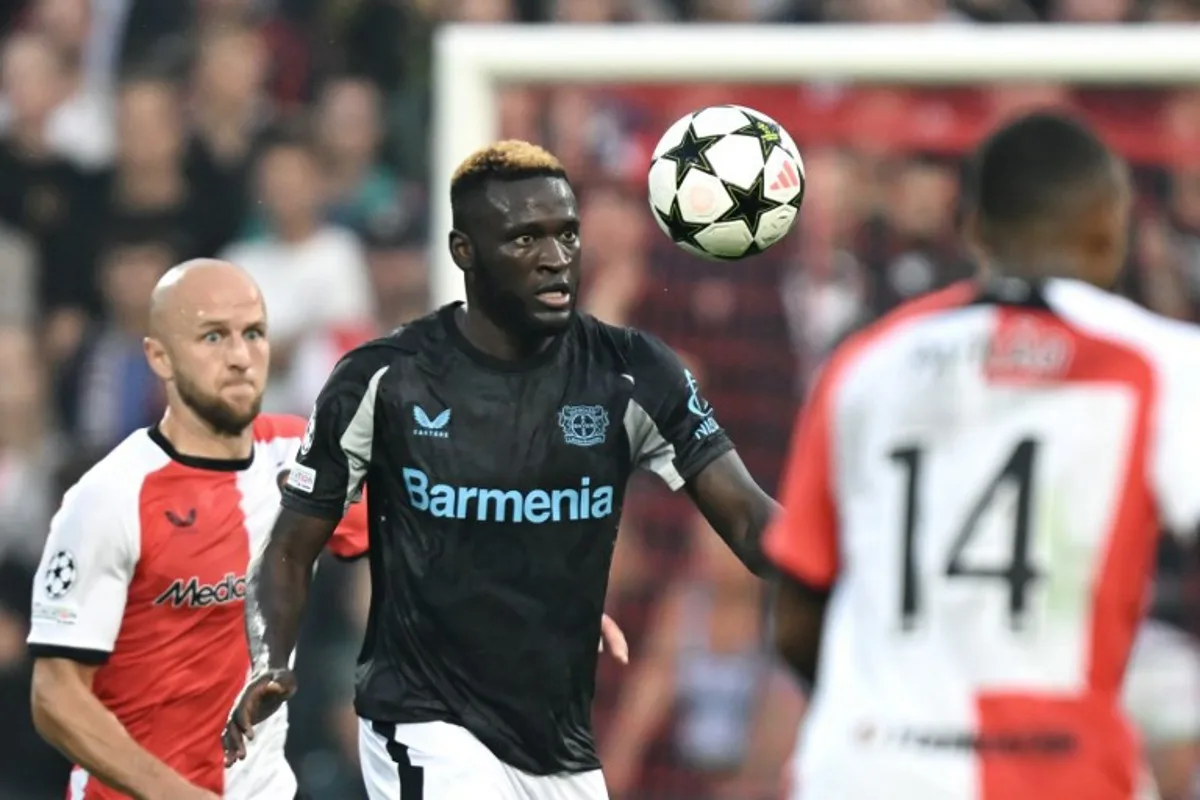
(279, 585)
(736, 507)
(275, 598)
(69, 716)
(799, 617)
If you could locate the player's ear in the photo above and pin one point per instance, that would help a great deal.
(157, 358)
(461, 250)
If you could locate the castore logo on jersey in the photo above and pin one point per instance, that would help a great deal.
(499, 505)
(435, 427)
(194, 594)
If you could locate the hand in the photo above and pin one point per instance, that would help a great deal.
(259, 700)
(610, 632)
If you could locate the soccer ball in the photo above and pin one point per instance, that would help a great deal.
(726, 182)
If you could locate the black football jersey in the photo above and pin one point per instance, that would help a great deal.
(494, 491)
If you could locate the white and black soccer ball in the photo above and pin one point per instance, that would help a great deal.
(59, 576)
(726, 182)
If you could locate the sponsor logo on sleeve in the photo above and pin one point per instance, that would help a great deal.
(310, 432)
(699, 407)
(59, 576)
(53, 614)
(302, 479)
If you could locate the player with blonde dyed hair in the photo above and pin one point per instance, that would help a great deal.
(496, 439)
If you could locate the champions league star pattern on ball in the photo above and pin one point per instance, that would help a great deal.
(726, 182)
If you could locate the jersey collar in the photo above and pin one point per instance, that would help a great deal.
(460, 341)
(199, 462)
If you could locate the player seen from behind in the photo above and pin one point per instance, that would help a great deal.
(138, 630)
(973, 501)
(496, 440)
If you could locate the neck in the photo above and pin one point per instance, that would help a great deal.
(192, 436)
(489, 337)
(1037, 256)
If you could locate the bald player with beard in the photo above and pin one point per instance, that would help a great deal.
(138, 627)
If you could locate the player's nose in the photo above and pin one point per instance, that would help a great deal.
(554, 256)
(237, 354)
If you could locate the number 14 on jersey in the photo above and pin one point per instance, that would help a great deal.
(1015, 577)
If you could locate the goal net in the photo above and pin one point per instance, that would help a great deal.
(883, 116)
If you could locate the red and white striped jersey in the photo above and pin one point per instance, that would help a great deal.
(980, 479)
(144, 574)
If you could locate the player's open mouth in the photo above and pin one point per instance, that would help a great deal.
(555, 298)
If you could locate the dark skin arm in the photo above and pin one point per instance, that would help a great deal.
(736, 508)
(799, 617)
(275, 598)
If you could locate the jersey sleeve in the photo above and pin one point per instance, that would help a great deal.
(673, 431)
(83, 579)
(349, 539)
(803, 540)
(1174, 472)
(335, 451)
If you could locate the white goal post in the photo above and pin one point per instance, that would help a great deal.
(471, 61)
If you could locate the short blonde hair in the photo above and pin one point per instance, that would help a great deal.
(509, 160)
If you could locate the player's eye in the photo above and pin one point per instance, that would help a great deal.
(212, 337)
(570, 237)
(254, 334)
(524, 240)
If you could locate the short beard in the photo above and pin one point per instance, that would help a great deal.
(219, 416)
(506, 309)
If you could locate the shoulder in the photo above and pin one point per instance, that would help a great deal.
(279, 436)
(362, 363)
(875, 337)
(1163, 341)
(372, 360)
(631, 346)
(111, 490)
(269, 427)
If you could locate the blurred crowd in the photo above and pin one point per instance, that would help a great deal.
(291, 136)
